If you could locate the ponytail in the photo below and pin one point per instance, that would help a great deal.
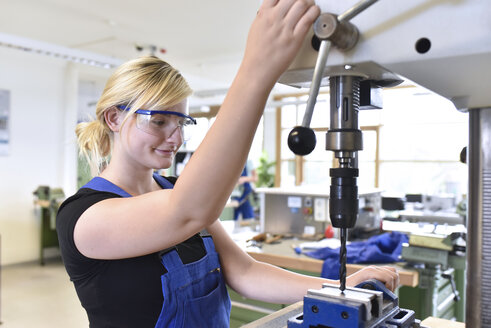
(94, 141)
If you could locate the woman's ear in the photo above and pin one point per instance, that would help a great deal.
(113, 118)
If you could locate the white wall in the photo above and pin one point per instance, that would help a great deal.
(47, 97)
(43, 114)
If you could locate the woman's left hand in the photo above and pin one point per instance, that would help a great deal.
(387, 275)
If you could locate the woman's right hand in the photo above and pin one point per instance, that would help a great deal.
(385, 274)
(276, 36)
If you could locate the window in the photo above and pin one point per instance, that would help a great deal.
(206, 119)
(420, 143)
(412, 145)
(314, 168)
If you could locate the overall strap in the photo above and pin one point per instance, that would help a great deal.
(171, 258)
(101, 184)
(163, 182)
(209, 245)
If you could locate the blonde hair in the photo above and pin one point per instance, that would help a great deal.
(146, 82)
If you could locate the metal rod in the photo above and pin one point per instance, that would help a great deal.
(355, 10)
(320, 65)
(478, 287)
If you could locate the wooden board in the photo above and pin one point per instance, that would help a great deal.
(297, 262)
(433, 322)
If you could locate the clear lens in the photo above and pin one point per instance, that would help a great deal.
(165, 125)
(187, 129)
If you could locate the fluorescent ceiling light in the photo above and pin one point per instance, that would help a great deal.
(53, 50)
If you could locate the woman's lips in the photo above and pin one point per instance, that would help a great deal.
(167, 152)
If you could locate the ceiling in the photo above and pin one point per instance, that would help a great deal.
(205, 39)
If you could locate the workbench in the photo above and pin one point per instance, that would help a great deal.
(282, 254)
(48, 200)
(414, 292)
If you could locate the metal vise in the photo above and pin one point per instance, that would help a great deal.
(368, 305)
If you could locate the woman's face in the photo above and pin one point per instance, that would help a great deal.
(151, 141)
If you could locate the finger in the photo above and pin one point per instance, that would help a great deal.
(392, 278)
(385, 275)
(390, 283)
(297, 10)
(283, 7)
(306, 21)
(268, 4)
(393, 272)
(390, 268)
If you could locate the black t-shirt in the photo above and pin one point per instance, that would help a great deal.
(115, 293)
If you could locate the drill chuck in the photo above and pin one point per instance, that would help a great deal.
(343, 199)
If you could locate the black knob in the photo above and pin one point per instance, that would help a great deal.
(301, 140)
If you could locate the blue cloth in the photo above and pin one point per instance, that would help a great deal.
(384, 248)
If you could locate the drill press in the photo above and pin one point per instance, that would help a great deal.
(344, 137)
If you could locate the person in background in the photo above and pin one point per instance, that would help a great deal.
(145, 250)
(244, 209)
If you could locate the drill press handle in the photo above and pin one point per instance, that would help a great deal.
(330, 30)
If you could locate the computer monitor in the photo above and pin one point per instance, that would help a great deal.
(414, 198)
(392, 203)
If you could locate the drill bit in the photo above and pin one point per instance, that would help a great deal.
(342, 259)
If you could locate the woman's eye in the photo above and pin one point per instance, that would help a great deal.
(157, 122)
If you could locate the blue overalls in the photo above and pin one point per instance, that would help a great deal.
(195, 294)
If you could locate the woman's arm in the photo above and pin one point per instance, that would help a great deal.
(121, 228)
(273, 41)
(265, 282)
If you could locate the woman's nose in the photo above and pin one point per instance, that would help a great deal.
(176, 135)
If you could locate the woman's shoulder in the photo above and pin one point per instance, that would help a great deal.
(84, 198)
(73, 207)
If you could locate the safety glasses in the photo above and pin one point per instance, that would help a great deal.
(163, 123)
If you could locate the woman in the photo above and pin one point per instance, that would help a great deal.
(130, 239)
